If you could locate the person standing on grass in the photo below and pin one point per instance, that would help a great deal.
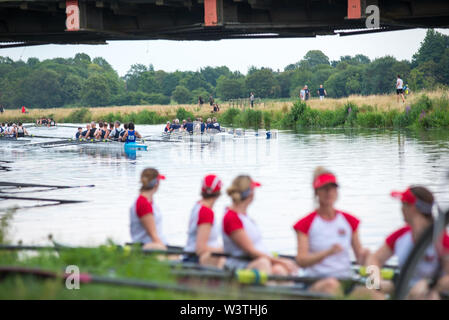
(211, 101)
(322, 92)
(302, 94)
(400, 89)
(251, 99)
(306, 92)
(2, 109)
(24, 109)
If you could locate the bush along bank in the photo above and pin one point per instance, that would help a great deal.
(424, 113)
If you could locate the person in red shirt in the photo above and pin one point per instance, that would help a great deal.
(417, 206)
(242, 237)
(326, 238)
(204, 231)
(23, 109)
(145, 216)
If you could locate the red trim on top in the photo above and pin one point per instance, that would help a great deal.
(353, 221)
(231, 222)
(143, 207)
(304, 224)
(446, 243)
(205, 215)
(392, 238)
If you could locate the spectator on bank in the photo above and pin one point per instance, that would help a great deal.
(251, 99)
(321, 92)
(211, 101)
(400, 89)
(200, 101)
(2, 109)
(306, 93)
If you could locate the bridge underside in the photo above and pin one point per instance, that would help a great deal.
(29, 22)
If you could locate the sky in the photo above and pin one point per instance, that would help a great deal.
(237, 55)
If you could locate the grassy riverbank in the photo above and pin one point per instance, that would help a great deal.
(423, 109)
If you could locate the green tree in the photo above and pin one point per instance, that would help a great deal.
(263, 83)
(96, 91)
(316, 57)
(72, 88)
(182, 95)
(432, 48)
(230, 88)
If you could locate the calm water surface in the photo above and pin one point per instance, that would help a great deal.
(368, 164)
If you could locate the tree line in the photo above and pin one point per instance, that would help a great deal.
(83, 81)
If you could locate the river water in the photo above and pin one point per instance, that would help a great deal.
(368, 164)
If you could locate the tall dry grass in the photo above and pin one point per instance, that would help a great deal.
(379, 102)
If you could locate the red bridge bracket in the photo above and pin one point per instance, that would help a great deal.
(354, 9)
(210, 13)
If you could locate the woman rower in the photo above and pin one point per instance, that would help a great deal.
(241, 236)
(131, 135)
(145, 216)
(203, 229)
(102, 131)
(21, 131)
(417, 206)
(325, 238)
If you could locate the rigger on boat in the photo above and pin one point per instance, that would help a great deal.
(325, 237)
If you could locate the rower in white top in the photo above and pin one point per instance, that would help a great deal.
(204, 231)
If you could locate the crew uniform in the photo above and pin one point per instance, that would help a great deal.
(201, 215)
(401, 243)
(323, 234)
(20, 132)
(131, 136)
(233, 221)
(139, 209)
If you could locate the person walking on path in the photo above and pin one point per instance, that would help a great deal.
(400, 89)
(251, 99)
(321, 92)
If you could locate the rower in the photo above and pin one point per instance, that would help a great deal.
(204, 231)
(115, 132)
(52, 123)
(91, 133)
(2, 128)
(101, 132)
(85, 132)
(21, 131)
(131, 135)
(125, 126)
(146, 217)
(241, 236)
(79, 134)
(417, 207)
(326, 236)
(11, 130)
(176, 126)
(188, 126)
(215, 125)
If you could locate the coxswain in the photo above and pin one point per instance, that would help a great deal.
(325, 238)
(79, 134)
(204, 231)
(145, 216)
(21, 131)
(167, 127)
(115, 132)
(431, 275)
(241, 235)
(131, 135)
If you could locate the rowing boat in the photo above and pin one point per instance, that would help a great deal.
(7, 139)
(98, 144)
(228, 134)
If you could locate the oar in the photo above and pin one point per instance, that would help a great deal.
(40, 199)
(86, 278)
(49, 143)
(46, 137)
(31, 185)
